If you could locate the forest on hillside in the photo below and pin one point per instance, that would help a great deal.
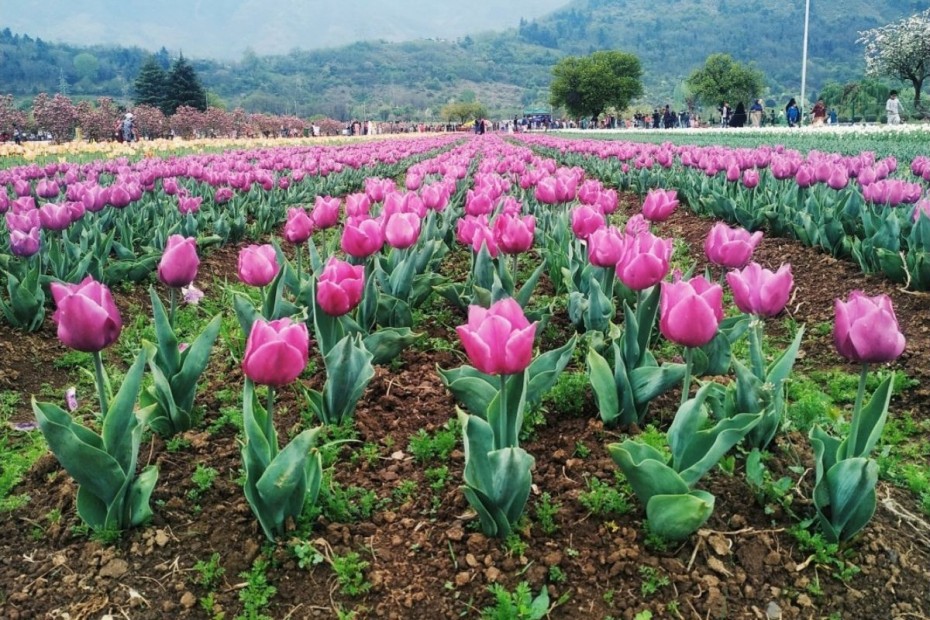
(507, 71)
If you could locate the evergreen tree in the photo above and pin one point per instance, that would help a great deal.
(184, 88)
(151, 84)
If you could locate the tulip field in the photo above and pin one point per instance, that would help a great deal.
(500, 376)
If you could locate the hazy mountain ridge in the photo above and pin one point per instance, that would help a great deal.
(506, 70)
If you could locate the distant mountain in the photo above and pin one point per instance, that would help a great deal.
(224, 29)
(507, 70)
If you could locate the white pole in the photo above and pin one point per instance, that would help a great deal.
(807, 14)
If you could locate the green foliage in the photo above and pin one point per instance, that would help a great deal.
(257, 593)
(202, 478)
(183, 88)
(546, 513)
(724, 79)
(589, 85)
(653, 580)
(463, 111)
(439, 446)
(150, 84)
(350, 573)
(207, 573)
(603, 499)
(519, 605)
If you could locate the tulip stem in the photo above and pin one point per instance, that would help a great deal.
(503, 428)
(516, 263)
(101, 384)
(173, 296)
(269, 407)
(755, 347)
(686, 388)
(299, 269)
(857, 408)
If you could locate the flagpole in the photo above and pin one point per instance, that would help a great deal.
(807, 14)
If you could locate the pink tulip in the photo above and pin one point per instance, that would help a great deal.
(222, 195)
(22, 188)
(644, 262)
(340, 287)
(325, 212)
(25, 243)
(838, 178)
(866, 329)
(362, 237)
(276, 352)
(298, 227)
(514, 234)
(401, 230)
(465, 227)
(54, 216)
(731, 248)
(478, 203)
(498, 340)
(119, 195)
(589, 192)
(607, 201)
(179, 263)
(47, 188)
(484, 236)
(636, 225)
(922, 206)
(87, 317)
(258, 265)
(750, 178)
(95, 197)
(659, 204)
(690, 311)
(585, 220)
(189, 204)
(760, 292)
(357, 205)
(605, 246)
(434, 196)
(547, 191)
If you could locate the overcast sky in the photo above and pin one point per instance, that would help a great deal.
(223, 29)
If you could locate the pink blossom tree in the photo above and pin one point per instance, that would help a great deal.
(56, 115)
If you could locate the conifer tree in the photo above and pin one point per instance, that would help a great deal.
(151, 84)
(184, 88)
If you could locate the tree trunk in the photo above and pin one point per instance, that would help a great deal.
(918, 110)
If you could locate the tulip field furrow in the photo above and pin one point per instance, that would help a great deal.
(565, 274)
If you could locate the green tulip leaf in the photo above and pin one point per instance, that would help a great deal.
(675, 517)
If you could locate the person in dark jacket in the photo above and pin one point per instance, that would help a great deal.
(738, 118)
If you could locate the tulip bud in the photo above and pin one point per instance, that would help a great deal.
(179, 262)
(340, 287)
(362, 237)
(258, 265)
(86, 315)
(866, 329)
(276, 352)
(298, 227)
(690, 311)
(659, 204)
(760, 292)
(730, 247)
(498, 340)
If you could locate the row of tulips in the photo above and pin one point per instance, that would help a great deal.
(359, 309)
(112, 219)
(852, 206)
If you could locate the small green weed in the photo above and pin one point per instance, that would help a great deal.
(202, 478)
(557, 575)
(257, 593)
(208, 573)
(602, 499)
(546, 513)
(652, 580)
(350, 573)
(425, 447)
(519, 605)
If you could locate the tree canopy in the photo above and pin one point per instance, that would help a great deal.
(463, 111)
(151, 84)
(183, 88)
(901, 50)
(589, 85)
(724, 79)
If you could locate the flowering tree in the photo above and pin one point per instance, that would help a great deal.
(187, 121)
(217, 122)
(56, 115)
(150, 121)
(900, 49)
(11, 118)
(98, 122)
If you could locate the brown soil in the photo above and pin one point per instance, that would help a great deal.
(427, 559)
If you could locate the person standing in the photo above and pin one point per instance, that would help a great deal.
(755, 113)
(893, 108)
(725, 114)
(792, 113)
(819, 113)
(129, 128)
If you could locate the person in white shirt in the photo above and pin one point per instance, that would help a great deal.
(893, 108)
